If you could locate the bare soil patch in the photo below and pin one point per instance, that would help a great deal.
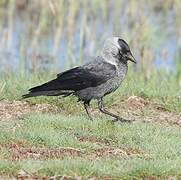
(43, 153)
(16, 109)
(18, 151)
(138, 109)
(132, 108)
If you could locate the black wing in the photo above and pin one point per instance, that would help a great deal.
(89, 75)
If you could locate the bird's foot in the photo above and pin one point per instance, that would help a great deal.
(121, 120)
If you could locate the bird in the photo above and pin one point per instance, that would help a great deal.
(93, 80)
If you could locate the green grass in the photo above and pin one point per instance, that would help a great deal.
(143, 150)
(45, 145)
(92, 149)
(161, 88)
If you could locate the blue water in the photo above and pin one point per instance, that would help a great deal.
(11, 53)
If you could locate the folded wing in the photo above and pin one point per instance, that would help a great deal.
(89, 75)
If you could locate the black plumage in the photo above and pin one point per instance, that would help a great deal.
(75, 79)
(93, 80)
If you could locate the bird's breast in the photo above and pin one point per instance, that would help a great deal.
(105, 88)
(121, 71)
(113, 83)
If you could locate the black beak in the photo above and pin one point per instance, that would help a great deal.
(131, 58)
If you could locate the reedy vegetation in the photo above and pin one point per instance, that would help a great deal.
(79, 24)
(82, 26)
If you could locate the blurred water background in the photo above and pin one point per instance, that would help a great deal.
(54, 35)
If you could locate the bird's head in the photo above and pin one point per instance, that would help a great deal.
(116, 49)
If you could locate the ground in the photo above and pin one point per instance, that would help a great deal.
(45, 141)
(133, 108)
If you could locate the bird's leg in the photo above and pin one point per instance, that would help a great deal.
(87, 108)
(117, 118)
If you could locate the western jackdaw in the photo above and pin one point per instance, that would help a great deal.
(94, 80)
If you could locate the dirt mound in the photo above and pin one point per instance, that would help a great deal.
(140, 109)
(137, 109)
(135, 102)
(15, 109)
(134, 108)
